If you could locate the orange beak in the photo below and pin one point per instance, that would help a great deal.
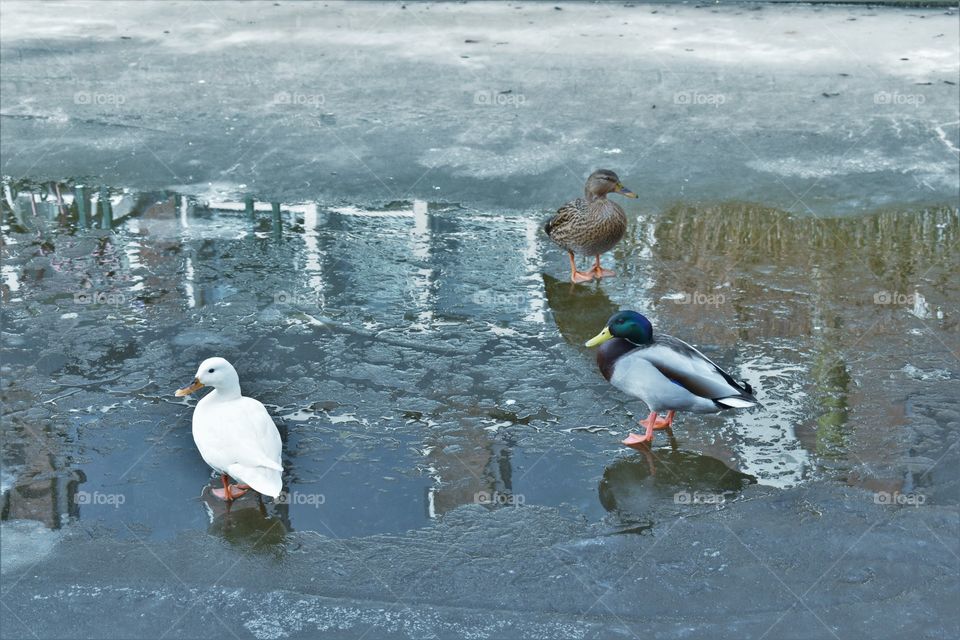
(196, 384)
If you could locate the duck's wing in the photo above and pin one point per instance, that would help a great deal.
(256, 449)
(563, 217)
(241, 432)
(697, 373)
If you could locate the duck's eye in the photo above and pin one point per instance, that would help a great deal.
(210, 371)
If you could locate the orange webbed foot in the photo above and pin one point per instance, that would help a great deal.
(602, 273)
(635, 441)
(230, 493)
(599, 272)
(664, 423)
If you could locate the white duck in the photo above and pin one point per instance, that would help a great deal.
(235, 434)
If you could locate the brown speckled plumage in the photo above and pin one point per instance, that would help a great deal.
(593, 224)
(588, 228)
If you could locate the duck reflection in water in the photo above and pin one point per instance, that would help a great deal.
(247, 523)
(636, 484)
(578, 311)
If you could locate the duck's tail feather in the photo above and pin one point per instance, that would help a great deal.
(736, 402)
(269, 482)
(740, 401)
(548, 224)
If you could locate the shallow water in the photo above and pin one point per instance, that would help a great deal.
(426, 356)
(452, 454)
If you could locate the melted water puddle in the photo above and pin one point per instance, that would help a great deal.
(421, 356)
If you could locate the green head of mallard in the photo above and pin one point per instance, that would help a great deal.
(603, 181)
(629, 325)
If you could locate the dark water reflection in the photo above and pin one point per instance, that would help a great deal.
(425, 356)
(580, 311)
(247, 524)
(636, 485)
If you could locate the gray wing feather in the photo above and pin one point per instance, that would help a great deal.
(694, 371)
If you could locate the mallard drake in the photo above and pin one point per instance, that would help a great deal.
(234, 434)
(591, 225)
(665, 372)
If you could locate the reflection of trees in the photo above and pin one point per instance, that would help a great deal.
(731, 228)
(796, 277)
(706, 246)
(830, 379)
(830, 382)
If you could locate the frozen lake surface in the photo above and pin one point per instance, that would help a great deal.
(451, 452)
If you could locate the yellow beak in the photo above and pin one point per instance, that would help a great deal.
(196, 384)
(600, 338)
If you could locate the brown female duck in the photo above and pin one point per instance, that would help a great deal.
(591, 225)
